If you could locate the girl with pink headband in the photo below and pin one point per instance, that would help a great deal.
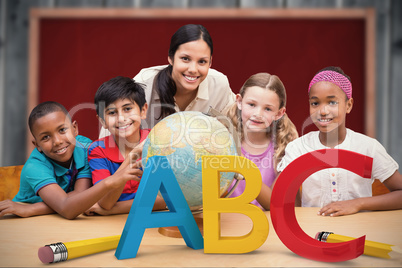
(338, 191)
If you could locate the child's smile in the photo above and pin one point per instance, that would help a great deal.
(328, 106)
(324, 121)
(123, 120)
(55, 137)
(257, 122)
(259, 107)
(124, 127)
(62, 150)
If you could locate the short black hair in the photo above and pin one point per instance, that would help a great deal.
(43, 109)
(118, 88)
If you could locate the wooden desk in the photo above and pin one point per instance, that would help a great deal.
(20, 239)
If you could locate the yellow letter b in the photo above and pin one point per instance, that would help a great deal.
(214, 205)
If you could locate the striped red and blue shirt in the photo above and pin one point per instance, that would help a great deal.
(105, 158)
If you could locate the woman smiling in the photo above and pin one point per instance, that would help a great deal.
(187, 83)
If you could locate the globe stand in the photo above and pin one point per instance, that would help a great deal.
(173, 231)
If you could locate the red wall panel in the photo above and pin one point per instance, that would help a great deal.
(78, 55)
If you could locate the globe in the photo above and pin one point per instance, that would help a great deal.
(184, 137)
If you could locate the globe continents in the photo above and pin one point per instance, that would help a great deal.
(184, 138)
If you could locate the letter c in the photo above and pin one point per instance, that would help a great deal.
(283, 201)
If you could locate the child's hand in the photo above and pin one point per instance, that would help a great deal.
(121, 207)
(135, 154)
(10, 207)
(131, 172)
(341, 208)
(96, 210)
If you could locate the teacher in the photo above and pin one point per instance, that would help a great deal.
(187, 83)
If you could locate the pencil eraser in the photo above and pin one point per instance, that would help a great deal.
(317, 236)
(45, 254)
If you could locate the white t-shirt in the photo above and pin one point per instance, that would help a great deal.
(337, 184)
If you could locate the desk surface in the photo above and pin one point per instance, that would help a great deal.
(20, 239)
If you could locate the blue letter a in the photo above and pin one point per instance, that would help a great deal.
(157, 175)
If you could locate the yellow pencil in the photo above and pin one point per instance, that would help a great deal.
(371, 248)
(64, 251)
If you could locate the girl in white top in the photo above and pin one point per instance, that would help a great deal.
(338, 191)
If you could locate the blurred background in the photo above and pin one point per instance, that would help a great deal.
(14, 44)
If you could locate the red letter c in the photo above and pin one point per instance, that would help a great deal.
(283, 201)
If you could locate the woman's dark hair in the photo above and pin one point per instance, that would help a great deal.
(164, 83)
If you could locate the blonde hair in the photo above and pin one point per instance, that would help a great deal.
(283, 130)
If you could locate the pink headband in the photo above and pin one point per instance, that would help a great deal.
(333, 77)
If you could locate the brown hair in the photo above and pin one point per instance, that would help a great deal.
(283, 130)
